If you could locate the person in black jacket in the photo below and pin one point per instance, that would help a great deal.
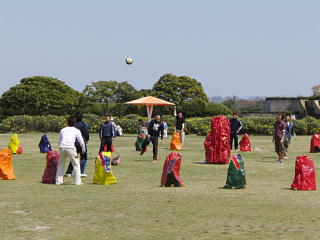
(84, 129)
(235, 127)
(155, 130)
(107, 134)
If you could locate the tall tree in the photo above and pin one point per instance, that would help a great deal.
(40, 95)
(106, 92)
(184, 91)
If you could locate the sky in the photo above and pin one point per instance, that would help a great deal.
(233, 47)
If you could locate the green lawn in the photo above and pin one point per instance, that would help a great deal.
(137, 208)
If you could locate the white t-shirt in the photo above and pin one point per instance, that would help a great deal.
(68, 137)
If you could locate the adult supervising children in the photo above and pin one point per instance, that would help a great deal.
(107, 134)
(278, 137)
(180, 124)
(155, 130)
(68, 136)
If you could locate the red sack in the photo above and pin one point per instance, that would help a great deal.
(105, 148)
(49, 175)
(220, 148)
(315, 143)
(245, 145)
(19, 151)
(208, 146)
(305, 177)
(171, 171)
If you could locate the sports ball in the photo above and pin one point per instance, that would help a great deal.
(129, 60)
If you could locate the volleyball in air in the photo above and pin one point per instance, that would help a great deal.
(129, 60)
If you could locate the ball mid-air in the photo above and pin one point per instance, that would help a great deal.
(129, 61)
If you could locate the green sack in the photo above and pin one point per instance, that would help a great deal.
(236, 176)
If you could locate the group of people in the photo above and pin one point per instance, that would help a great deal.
(155, 130)
(282, 134)
(73, 141)
(74, 138)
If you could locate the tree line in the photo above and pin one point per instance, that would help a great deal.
(43, 95)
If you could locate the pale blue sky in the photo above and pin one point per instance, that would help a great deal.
(233, 47)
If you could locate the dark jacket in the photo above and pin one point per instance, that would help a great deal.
(107, 130)
(84, 129)
(235, 126)
(289, 130)
(155, 129)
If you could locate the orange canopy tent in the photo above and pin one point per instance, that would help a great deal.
(149, 101)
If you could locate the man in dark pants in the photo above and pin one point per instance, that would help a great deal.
(235, 127)
(107, 134)
(83, 127)
(155, 129)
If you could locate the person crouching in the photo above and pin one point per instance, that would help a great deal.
(68, 136)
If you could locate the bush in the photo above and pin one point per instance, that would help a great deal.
(214, 109)
(195, 125)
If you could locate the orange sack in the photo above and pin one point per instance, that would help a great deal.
(175, 144)
(6, 167)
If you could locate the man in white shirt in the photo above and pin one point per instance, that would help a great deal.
(67, 139)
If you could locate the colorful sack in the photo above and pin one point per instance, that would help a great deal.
(49, 174)
(115, 161)
(171, 171)
(103, 174)
(14, 143)
(219, 151)
(236, 175)
(19, 151)
(315, 143)
(245, 145)
(6, 167)
(305, 177)
(44, 144)
(175, 144)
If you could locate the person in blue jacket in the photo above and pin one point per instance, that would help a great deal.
(107, 134)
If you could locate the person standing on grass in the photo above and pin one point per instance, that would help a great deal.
(84, 129)
(107, 134)
(288, 135)
(278, 137)
(180, 124)
(155, 130)
(165, 128)
(68, 136)
(235, 127)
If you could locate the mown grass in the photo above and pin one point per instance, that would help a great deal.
(137, 208)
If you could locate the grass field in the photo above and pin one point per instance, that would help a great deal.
(137, 208)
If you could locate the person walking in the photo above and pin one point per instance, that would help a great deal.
(235, 127)
(84, 129)
(180, 124)
(68, 136)
(278, 137)
(165, 128)
(107, 134)
(290, 131)
(155, 130)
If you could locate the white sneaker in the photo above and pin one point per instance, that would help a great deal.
(84, 175)
(68, 175)
(79, 184)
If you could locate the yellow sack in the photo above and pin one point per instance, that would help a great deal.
(103, 174)
(175, 144)
(14, 143)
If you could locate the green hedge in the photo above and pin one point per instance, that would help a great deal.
(196, 125)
